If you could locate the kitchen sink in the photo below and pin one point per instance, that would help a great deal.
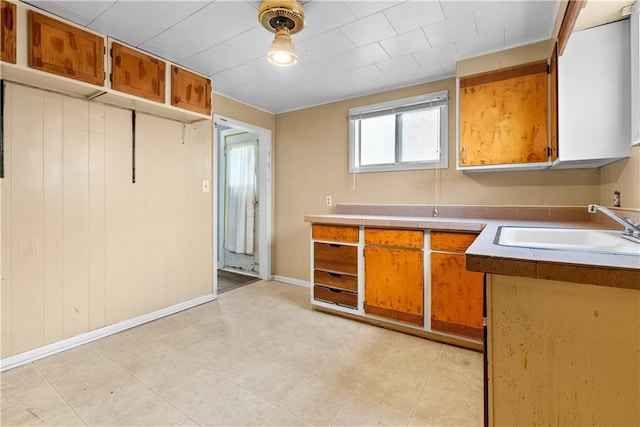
(567, 239)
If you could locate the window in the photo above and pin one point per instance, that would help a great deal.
(405, 134)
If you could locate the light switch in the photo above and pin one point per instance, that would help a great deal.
(205, 185)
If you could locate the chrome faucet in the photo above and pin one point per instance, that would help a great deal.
(631, 230)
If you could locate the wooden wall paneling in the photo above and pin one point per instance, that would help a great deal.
(118, 216)
(59, 48)
(8, 30)
(140, 220)
(200, 213)
(177, 212)
(75, 178)
(7, 235)
(96, 214)
(156, 213)
(53, 241)
(137, 73)
(27, 219)
(190, 91)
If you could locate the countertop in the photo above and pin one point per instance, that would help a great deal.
(622, 271)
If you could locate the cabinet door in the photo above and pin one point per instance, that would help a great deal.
(394, 283)
(137, 73)
(62, 49)
(456, 296)
(190, 91)
(8, 31)
(504, 116)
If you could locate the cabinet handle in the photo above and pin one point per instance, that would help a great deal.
(335, 275)
(335, 245)
(463, 155)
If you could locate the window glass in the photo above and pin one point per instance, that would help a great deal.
(420, 136)
(378, 140)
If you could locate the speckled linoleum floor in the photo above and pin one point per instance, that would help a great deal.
(258, 355)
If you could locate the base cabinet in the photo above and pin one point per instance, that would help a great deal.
(456, 294)
(394, 275)
(335, 265)
(562, 353)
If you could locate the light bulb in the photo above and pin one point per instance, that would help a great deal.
(282, 52)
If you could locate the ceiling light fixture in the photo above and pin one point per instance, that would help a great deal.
(282, 17)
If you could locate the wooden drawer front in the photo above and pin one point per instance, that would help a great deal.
(451, 242)
(336, 258)
(338, 233)
(137, 73)
(335, 296)
(190, 91)
(59, 48)
(336, 280)
(8, 30)
(399, 238)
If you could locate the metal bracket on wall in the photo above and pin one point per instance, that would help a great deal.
(133, 146)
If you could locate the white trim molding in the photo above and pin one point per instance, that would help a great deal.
(69, 343)
(291, 281)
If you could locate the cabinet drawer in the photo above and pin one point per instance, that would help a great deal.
(336, 258)
(338, 233)
(336, 280)
(335, 296)
(451, 242)
(388, 237)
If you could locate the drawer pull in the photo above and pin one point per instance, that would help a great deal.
(335, 275)
(335, 245)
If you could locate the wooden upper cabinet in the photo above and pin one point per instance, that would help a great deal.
(504, 116)
(8, 32)
(137, 73)
(65, 50)
(553, 81)
(190, 91)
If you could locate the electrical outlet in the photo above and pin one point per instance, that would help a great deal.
(205, 185)
(327, 201)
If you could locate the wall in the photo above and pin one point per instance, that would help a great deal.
(311, 152)
(622, 176)
(82, 246)
(230, 108)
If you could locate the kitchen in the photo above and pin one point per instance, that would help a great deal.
(310, 162)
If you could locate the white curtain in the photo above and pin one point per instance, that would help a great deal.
(240, 197)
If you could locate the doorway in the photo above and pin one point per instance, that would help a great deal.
(243, 199)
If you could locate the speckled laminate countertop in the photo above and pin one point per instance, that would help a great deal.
(484, 255)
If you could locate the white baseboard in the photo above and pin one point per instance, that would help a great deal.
(66, 344)
(291, 281)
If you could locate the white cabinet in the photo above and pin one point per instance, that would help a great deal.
(594, 100)
(634, 21)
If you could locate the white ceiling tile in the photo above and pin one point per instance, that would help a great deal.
(216, 23)
(486, 42)
(488, 19)
(245, 73)
(452, 9)
(369, 30)
(365, 8)
(352, 59)
(322, 46)
(323, 16)
(120, 28)
(404, 64)
(80, 12)
(173, 46)
(458, 28)
(231, 53)
(414, 14)
(406, 43)
(445, 55)
(157, 16)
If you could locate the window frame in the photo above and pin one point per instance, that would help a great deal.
(415, 103)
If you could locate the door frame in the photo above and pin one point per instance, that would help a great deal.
(265, 194)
